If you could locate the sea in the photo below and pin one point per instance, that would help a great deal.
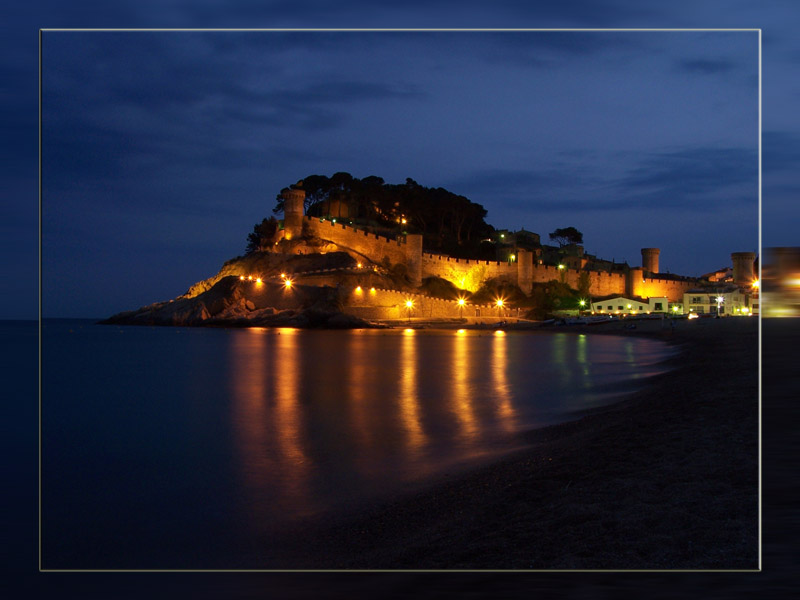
(202, 448)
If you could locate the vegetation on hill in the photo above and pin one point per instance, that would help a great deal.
(449, 223)
(566, 235)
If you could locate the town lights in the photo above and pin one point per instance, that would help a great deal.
(719, 299)
(461, 303)
(288, 283)
(358, 289)
(241, 277)
(249, 278)
(561, 267)
(283, 275)
(756, 283)
(499, 303)
(409, 306)
(258, 279)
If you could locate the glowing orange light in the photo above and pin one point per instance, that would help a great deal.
(258, 279)
(358, 289)
(288, 283)
(359, 265)
(249, 278)
(283, 275)
(372, 290)
(499, 302)
(756, 283)
(409, 304)
(241, 277)
(499, 332)
(461, 302)
(461, 331)
(403, 221)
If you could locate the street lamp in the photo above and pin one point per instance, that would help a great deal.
(409, 306)
(720, 299)
(499, 307)
(461, 303)
(582, 302)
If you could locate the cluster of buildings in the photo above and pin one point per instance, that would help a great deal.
(522, 260)
(729, 292)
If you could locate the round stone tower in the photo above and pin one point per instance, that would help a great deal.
(650, 259)
(293, 200)
(743, 267)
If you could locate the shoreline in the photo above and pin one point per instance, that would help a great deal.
(665, 477)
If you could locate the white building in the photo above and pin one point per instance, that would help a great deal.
(725, 301)
(623, 305)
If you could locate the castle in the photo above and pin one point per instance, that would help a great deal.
(523, 271)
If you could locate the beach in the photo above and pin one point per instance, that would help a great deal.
(667, 477)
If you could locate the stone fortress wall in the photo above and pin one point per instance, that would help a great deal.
(382, 304)
(469, 274)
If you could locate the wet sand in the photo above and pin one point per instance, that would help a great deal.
(666, 478)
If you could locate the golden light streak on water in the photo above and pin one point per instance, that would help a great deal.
(249, 411)
(358, 387)
(288, 418)
(409, 396)
(500, 385)
(462, 403)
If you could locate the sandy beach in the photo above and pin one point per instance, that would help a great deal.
(665, 478)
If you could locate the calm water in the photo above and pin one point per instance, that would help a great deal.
(198, 448)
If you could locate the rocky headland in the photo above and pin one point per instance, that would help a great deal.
(235, 297)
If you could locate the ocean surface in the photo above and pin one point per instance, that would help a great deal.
(166, 448)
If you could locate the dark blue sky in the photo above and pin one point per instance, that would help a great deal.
(161, 150)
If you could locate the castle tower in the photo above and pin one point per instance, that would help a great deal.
(743, 267)
(413, 253)
(292, 212)
(525, 271)
(650, 259)
(634, 281)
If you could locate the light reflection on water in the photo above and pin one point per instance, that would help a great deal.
(202, 443)
(325, 418)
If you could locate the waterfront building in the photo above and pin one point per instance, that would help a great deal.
(629, 305)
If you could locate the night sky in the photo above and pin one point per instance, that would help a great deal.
(161, 150)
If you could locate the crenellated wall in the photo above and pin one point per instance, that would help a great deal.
(465, 273)
(672, 289)
(380, 303)
(470, 274)
(370, 245)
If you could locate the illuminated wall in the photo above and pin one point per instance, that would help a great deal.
(377, 303)
(470, 274)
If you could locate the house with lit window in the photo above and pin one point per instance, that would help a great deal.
(633, 305)
(725, 301)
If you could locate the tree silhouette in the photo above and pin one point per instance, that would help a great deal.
(567, 235)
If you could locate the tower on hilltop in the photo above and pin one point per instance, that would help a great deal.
(293, 200)
(743, 267)
(650, 259)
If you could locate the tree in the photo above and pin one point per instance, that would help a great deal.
(263, 235)
(567, 235)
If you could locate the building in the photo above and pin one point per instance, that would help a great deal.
(726, 300)
(633, 305)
